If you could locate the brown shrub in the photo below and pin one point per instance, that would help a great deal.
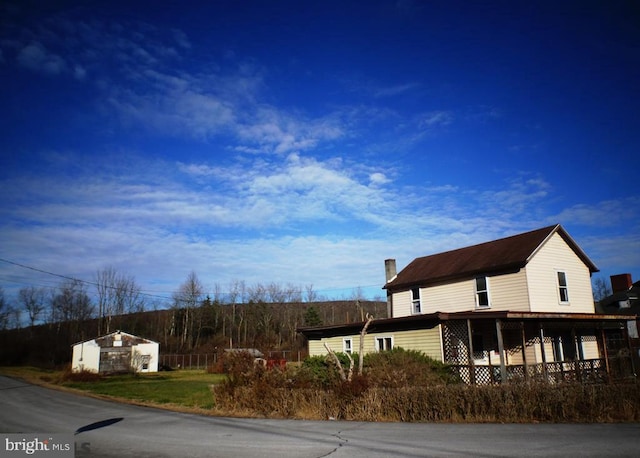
(514, 403)
(408, 386)
(82, 376)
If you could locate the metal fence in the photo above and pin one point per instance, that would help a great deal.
(205, 360)
(187, 361)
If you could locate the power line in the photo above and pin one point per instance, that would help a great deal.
(156, 296)
(66, 277)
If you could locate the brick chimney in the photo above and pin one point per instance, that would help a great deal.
(390, 273)
(390, 269)
(620, 282)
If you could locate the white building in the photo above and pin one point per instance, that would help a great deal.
(116, 352)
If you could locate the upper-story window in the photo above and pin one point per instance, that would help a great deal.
(482, 292)
(563, 290)
(416, 306)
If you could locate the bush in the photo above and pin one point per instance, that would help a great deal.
(82, 376)
(409, 386)
(321, 372)
(399, 367)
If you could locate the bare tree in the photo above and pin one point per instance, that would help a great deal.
(32, 300)
(347, 377)
(343, 376)
(361, 347)
(71, 306)
(5, 311)
(275, 293)
(310, 294)
(187, 298)
(257, 293)
(117, 294)
(601, 289)
(293, 293)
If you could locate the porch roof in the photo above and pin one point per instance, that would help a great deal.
(429, 320)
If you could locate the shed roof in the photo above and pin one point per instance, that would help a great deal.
(131, 336)
(502, 255)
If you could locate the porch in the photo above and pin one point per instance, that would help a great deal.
(498, 347)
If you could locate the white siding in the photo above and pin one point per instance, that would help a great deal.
(147, 349)
(424, 340)
(452, 297)
(590, 349)
(509, 292)
(506, 292)
(86, 357)
(402, 303)
(555, 255)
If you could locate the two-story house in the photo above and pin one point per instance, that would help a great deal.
(515, 308)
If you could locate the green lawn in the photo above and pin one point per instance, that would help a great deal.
(186, 388)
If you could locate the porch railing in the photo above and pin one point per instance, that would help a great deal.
(581, 371)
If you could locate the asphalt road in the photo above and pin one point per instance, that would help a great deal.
(108, 429)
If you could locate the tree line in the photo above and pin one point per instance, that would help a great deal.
(41, 324)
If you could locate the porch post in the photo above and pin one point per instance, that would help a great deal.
(503, 367)
(576, 360)
(524, 351)
(606, 353)
(543, 354)
(627, 338)
(472, 369)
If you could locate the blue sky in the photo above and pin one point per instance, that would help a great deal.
(306, 142)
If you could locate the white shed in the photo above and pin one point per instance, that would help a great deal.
(116, 352)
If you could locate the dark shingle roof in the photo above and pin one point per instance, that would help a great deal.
(503, 255)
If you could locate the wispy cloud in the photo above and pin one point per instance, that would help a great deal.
(435, 119)
(607, 213)
(392, 91)
(35, 57)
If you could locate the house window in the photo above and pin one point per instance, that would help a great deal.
(564, 347)
(415, 300)
(347, 345)
(563, 291)
(384, 343)
(482, 292)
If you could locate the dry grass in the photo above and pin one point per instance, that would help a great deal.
(446, 403)
(307, 393)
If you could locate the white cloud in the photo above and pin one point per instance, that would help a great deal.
(378, 178)
(396, 90)
(614, 254)
(607, 213)
(259, 220)
(36, 57)
(435, 119)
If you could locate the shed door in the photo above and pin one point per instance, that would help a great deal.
(115, 359)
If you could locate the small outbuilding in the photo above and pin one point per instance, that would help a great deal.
(116, 352)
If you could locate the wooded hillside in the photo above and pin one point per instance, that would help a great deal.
(205, 328)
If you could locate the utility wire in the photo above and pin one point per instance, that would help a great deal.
(155, 296)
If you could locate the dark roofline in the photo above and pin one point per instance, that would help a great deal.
(504, 255)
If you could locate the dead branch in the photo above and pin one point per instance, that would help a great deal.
(343, 377)
(361, 350)
(350, 373)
